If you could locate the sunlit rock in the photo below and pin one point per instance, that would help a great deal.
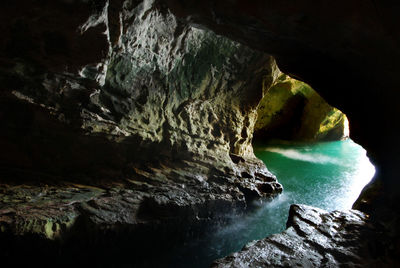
(292, 110)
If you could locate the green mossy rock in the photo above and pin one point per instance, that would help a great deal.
(292, 110)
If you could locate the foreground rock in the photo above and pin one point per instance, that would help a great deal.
(317, 238)
(119, 223)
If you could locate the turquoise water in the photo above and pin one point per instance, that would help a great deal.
(327, 175)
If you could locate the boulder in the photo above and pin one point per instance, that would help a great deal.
(317, 238)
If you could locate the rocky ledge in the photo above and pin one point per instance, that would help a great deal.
(82, 224)
(317, 238)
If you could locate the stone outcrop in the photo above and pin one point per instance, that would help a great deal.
(317, 238)
(347, 50)
(121, 121)
(292, 110)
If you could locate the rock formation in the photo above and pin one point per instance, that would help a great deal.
(122, 123)
(121, 120)
(292, 110)
(348, 50)
(316, 238)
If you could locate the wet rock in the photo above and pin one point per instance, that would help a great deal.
(121, 123)
(317, 54)
(292, 110)
(266, 177)
(270, 187)
(310, 45)
(316, 238)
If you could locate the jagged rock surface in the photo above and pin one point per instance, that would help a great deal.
(122, 118)
(309, 44)
(55, 82)
(292, 110)
(317, 238)
(317, 41)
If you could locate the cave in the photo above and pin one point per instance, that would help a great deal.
(127, 128)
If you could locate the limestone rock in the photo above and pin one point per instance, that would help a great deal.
(292, 110)
(156, 83)
(347, 50)
(120, 122)
(316, 238)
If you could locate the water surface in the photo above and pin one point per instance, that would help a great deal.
(328, 175)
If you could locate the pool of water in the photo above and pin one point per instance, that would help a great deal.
(328, 175)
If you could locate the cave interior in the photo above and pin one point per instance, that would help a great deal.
(127, 127)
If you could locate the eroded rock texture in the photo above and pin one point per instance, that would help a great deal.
(120, 121)
(347, 50)
(317, 238)
(292, 110)
(108, 107)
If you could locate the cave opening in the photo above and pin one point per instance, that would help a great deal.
(306, 144)
(135, 138)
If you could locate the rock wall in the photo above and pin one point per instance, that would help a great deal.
(91, 90)
(122, 123)
(292, 110)
(126, 72)
(348, 50)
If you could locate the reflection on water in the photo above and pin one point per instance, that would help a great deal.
(327, 175)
